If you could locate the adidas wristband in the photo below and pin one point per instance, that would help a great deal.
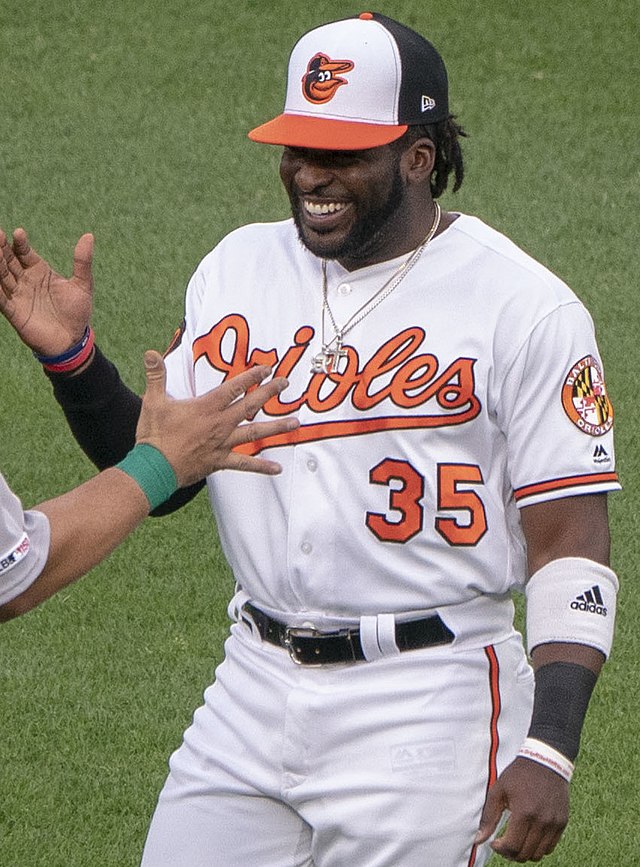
(573, 600)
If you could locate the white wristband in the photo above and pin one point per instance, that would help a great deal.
(573, 600)
(545, 755)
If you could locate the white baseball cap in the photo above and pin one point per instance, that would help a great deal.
(358, 83)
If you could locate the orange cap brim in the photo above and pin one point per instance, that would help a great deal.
(322, 133)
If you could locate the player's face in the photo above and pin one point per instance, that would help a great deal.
(347, 205)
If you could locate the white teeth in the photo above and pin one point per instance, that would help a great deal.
(319, 210)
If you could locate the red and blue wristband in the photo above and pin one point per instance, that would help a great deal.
(73, 358)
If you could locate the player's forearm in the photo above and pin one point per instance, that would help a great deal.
(102, 413)
(86, 524)
(566, 676)
(577, 654)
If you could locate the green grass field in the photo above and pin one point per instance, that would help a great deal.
(129, 119)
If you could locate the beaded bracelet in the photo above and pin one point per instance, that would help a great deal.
(545, 755)
(73, 358)
(152, 471)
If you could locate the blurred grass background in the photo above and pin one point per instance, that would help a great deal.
(128, 120)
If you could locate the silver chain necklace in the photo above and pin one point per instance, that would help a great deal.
(328, 360)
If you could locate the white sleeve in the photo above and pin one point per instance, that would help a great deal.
(24, 544)
(555, 412)
(179, 356)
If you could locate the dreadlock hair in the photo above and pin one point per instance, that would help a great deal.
(445, 135)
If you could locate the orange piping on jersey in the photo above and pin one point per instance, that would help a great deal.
(177, 337)
(566, 482)
(496, 708)
(332, 429)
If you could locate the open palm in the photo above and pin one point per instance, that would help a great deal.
(50, 312)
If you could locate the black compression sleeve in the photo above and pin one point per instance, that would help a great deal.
(562, 693)
(102, 413)
(100, 410)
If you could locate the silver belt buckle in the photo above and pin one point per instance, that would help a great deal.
(293, 632)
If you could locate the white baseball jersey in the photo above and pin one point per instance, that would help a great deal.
(473, 389)
(24, 544)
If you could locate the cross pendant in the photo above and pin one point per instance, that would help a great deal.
(328, 361)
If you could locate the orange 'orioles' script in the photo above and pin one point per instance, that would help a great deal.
(410, 380)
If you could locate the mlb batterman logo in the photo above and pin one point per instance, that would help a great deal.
(584, 398)
(320, 82)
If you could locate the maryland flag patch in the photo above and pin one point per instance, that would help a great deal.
(584, 398)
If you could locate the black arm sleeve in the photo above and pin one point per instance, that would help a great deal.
(102, 413)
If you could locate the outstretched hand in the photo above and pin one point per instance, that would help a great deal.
(197, 436)
(538, 801)
(49, 312)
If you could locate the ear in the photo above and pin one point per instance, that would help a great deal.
(419, 160)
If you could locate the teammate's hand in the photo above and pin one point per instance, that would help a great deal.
(538, 800)
(197, 435)
(49, 312)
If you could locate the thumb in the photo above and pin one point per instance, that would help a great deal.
(156, 374)
(82, 258)
(491, 815)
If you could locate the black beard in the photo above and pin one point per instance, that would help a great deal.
(364, 239)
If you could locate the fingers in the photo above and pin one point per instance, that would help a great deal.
(83, 258)
(245, 407)
(513, 843)
(526, 840)
(248, 464)
(7, 280)
(538, 803)
(491, 814)
(22, 249)
(156, 375)
(13, 266)
(235, 387)
(239, 408)
(255, 400)
(259, 430)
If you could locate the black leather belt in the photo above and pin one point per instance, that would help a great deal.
(307, 646)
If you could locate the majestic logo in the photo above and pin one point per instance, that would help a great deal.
(397, 373)
(320, 82)
(584, 398)
(600, 455)
(590, 601)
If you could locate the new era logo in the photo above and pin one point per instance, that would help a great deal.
(428, 103)
(590, 601)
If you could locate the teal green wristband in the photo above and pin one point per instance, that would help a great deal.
(152, 471)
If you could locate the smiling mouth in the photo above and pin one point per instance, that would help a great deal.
(316, 209)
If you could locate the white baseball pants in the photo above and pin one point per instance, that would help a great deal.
(380, 764)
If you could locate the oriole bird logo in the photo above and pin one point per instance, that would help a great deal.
(320, 82)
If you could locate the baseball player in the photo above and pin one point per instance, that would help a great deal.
(376, 705)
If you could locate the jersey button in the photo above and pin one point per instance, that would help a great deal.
(306, 547)
(344, 289)
(312, 465)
